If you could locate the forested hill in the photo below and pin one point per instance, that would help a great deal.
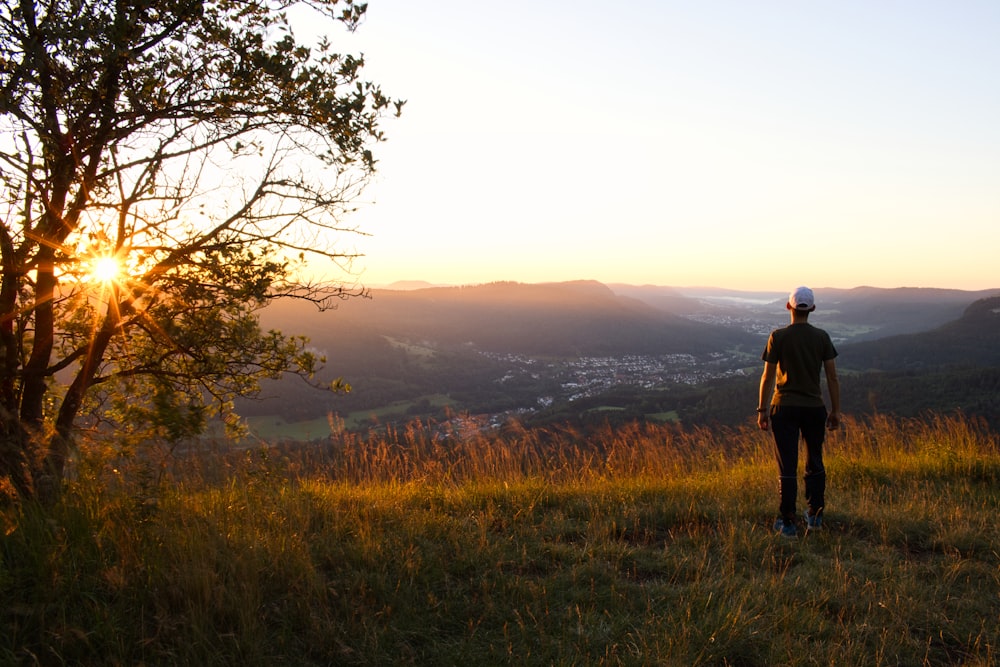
(971, 340)
(902, 310)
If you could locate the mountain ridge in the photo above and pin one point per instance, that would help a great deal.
(973, 339)
(576, 318)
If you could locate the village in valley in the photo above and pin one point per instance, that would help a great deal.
(584, 377)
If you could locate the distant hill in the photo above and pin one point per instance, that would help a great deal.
(896, 311)
(971, 340)
(860, 313)
(405, 285)
(569, 319)
(664, 298)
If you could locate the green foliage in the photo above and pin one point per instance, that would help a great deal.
(211, 156)
(644, 545)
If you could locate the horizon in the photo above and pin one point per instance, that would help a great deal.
(410, 284)
(665, 143)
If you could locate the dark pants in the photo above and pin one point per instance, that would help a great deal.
(787, 422)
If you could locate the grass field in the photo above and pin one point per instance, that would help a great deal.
(273, 427)
(645, 545)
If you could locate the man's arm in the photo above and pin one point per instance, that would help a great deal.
(767, 379)
(833, 385)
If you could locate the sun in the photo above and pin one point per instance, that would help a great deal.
(106, 269)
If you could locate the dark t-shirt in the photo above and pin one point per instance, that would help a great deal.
(799, 351)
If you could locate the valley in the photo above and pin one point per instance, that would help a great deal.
(585, 352)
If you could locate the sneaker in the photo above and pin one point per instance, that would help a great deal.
(814, 521)
(786, 528)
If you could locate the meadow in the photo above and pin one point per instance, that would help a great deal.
(649, 544)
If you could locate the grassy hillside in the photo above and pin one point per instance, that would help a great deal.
(636, 546)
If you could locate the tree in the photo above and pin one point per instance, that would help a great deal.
(167, 168)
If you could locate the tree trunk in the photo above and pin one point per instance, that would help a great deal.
(36, 370)
(53, 467)
(13, 440)
(14, 465)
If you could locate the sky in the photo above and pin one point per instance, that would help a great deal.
(746, 144)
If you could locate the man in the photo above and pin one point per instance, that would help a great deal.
(791, 402)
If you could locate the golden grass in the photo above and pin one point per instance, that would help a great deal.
(649, 544)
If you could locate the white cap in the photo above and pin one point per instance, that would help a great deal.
(802, 299)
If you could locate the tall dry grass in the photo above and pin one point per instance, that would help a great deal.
(441, 454)
(640, 545)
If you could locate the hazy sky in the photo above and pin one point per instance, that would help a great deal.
(744, 144)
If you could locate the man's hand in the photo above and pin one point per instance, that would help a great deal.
(762, 420)
(833, 421)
